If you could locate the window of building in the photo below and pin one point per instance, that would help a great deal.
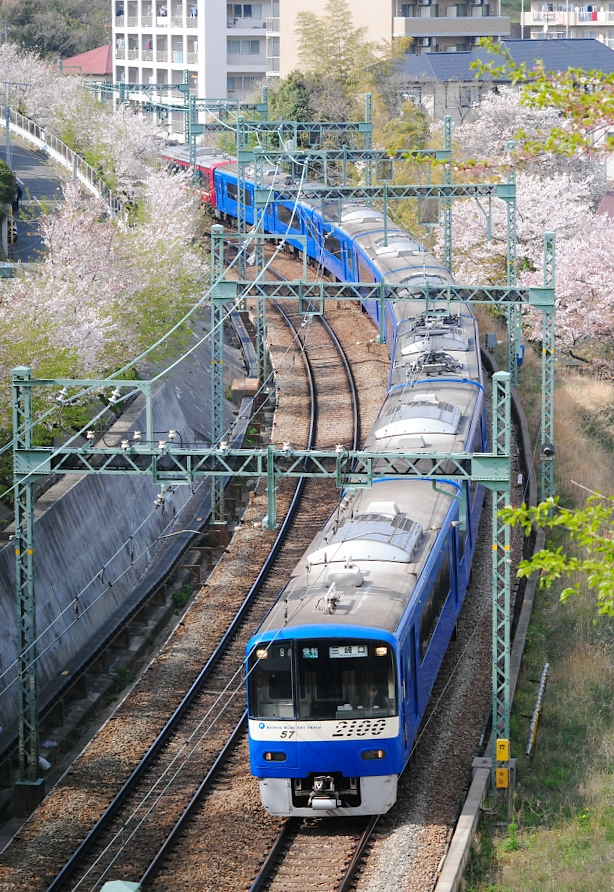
(242, 82)
(243, 47)
(244, 10)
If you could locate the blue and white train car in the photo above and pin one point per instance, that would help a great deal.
(340, 672)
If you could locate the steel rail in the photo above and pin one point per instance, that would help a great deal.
(289, 829)
(103, 822)
(208, 781)
(195, 801)
(345, 884)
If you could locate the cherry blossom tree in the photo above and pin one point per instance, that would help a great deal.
(555, 192)
(557, 203)
(102, 292)
(504, 119)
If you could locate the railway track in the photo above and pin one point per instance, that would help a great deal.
(322, 854)
(150, 807)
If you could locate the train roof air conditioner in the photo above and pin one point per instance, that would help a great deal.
(477, 2)
(425, 2)
(473, 40)
(424, 41)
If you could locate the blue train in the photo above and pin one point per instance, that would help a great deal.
(340, 672)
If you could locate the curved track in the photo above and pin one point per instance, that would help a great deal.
(151, 803)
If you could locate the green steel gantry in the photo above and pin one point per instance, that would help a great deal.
(170, 465)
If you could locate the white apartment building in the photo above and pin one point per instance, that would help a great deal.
(228, 49)
(557, 21)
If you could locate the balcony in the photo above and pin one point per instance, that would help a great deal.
(147, 55)
(191, 22)
(120, 21)
(133, 54)
(133, 21)
(146, 21)
(162, 56)
(120, 53)
(177, 21)
(567, 19)
(192, 58)
(272, 26)
(446, 26)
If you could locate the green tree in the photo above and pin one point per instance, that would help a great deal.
(410, 130)
(8, 184)
(330, 46)
(590, 528)
(61, 28)
(291, 100)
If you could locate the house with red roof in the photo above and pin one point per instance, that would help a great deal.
(95, 65)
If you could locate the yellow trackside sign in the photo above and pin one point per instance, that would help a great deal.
(502, 778)
(503, 750)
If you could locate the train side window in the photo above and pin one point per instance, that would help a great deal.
(365, 273)
(413, 668)
(232, 191)
(435, 603)
(332, 245)
(286, 216)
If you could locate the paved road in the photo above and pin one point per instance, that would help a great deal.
(42, 182)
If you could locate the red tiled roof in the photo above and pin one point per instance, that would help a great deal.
(98, 61)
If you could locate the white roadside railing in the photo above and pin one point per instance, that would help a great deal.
(63, 155)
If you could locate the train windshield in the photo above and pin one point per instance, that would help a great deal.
(345, 679)
(271, 681)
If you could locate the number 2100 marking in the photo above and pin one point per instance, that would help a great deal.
(360, 728)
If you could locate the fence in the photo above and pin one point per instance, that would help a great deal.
(62, 154)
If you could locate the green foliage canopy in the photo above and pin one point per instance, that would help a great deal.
(291, 101)
(330, 46)
(61, 28)
(590, 528)
(8, 184)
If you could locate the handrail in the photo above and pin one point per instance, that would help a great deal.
(63, 154)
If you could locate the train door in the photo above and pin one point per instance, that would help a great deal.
(404, 694)
(413, 675)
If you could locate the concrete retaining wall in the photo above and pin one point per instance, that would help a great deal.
(83, 533)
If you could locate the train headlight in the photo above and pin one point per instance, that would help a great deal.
(381, 651)
(372, 755)
(274, 757)
(262, 653)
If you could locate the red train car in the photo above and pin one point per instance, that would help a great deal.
(207, 160)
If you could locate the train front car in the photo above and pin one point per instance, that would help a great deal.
(323, 714)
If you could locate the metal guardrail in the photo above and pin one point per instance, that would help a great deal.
(63, 154)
